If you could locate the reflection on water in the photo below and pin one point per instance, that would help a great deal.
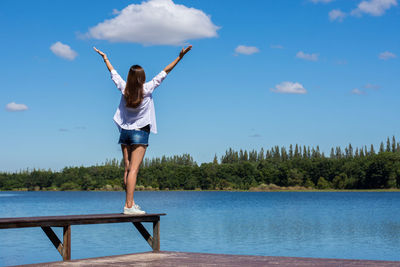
(363, 225)
(7, 195)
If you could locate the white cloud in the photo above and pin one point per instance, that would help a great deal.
(276, 46)
(372, 86)
(386, 55)
(336, 14)
(321, 1)
(373, 7)
(155, 22)
(305, 56)
(357, 91)
(367, 86)
(289, 88)
(16, 107)
(63, 50)
(246, 50)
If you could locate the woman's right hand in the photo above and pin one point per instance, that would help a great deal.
(104, 56)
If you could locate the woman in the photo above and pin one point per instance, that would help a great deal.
(135, 118)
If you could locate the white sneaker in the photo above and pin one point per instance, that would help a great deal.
(135, 209)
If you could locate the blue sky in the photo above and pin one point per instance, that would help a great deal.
(260, 74)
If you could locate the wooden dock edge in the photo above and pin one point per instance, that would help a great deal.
(65, 221)
(170, 258)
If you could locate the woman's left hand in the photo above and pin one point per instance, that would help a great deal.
(184, 51)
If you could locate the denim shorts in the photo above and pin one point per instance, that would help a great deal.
(134, 137)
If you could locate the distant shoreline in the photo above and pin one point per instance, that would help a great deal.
(222, 190)
(277, 169)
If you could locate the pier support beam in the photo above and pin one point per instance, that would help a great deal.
(66, 243)
(64, 248)
(156, 236)
(153, 241)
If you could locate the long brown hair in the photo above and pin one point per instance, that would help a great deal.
(134, 86)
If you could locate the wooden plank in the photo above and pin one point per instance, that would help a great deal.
(156, 236)
(170, 258)
(53, 238)
(61, 221)
(144, 233)
(66, 243)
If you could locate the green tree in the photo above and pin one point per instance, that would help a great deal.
(340, 181)
(69, 186)
(295, 177)
(323, 184)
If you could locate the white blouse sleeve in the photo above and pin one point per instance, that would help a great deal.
(119, 82)
(155, 82)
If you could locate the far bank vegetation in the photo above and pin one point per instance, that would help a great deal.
(276, 169)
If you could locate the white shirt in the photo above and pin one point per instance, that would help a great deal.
(136, 118)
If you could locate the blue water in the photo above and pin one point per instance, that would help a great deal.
(364, 225)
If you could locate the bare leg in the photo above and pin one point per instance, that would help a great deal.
(126, 153)
(137, 154)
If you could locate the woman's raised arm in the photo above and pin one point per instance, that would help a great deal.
(183, 52)
(104, 56)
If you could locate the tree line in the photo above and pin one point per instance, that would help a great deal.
(295, 166)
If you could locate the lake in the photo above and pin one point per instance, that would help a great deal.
(350, 225)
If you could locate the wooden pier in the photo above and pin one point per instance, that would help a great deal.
(65, 221)
(157, 257)
(177, 259)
